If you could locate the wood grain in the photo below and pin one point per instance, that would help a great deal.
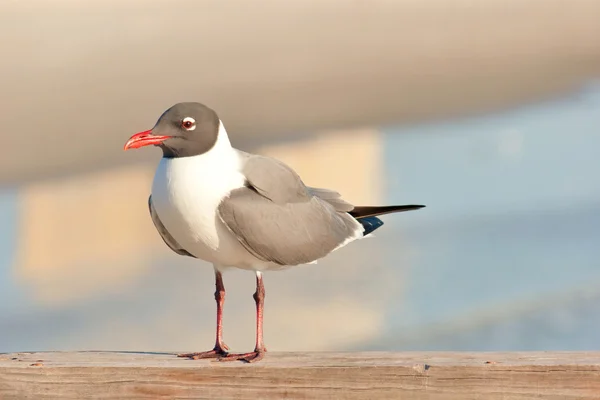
(372, 375)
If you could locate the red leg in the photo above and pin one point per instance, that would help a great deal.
(220, 348)
(220, 298)
(259, 349)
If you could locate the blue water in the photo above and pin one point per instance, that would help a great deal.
(536, 158)
(512, 223)
(12, 299)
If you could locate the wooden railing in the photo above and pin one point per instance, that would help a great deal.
(371, 375)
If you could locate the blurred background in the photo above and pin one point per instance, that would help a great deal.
(486, 111)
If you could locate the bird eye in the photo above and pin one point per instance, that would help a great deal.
(189, 124)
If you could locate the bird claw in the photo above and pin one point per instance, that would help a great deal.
(214, 353)
(254, 356)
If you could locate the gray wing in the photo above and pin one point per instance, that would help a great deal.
(333, 198)
(281, 184)
(274, 180)
(164, 234)
(278, 219)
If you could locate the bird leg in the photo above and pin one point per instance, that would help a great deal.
(259, 349)
(220, 348)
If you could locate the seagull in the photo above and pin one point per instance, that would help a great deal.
(234, 209)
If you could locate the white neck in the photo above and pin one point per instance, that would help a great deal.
(222, 139)
(221, 154)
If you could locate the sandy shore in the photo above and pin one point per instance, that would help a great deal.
(79, 78)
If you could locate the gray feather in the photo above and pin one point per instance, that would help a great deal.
(333, 198)
(279, 219)
(286, 234)
(164, 234)
(274, 180)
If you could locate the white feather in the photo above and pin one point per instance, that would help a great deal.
(186, 192)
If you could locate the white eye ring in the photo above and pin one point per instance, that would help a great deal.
(188, 123)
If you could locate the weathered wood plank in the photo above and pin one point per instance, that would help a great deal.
(372, 375)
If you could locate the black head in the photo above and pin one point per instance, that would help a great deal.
(184, 130)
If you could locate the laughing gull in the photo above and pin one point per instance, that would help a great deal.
(235, 209)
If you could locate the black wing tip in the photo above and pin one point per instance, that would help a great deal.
(409, 207)
(371, 211)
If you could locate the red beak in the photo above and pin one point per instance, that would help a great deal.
(144, 139)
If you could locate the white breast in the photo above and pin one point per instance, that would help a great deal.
(186, 193)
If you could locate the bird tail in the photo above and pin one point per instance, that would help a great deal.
(367, 215)
(372, 211)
